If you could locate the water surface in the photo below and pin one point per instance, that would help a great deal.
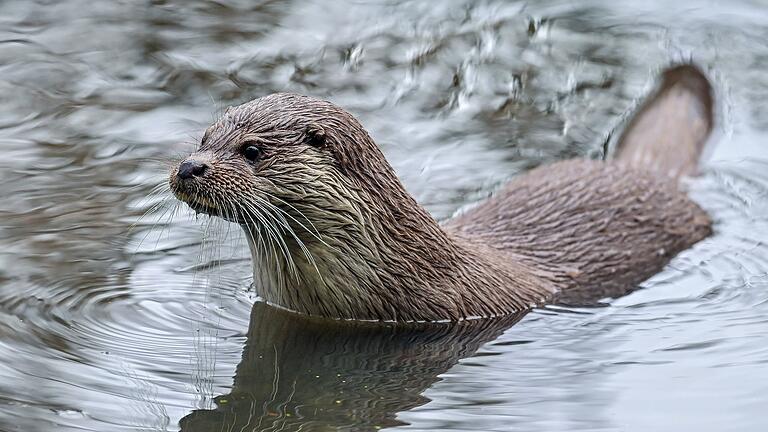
(110, 321)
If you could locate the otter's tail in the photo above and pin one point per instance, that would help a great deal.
(668, 133)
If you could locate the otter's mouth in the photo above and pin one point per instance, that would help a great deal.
(199, 205)
(204, 206)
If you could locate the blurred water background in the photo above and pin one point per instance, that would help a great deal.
(114, 322)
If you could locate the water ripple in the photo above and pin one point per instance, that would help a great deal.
(121, 311)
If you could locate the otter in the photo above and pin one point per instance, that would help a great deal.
(333, 232)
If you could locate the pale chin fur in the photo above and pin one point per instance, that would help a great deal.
(331, 278)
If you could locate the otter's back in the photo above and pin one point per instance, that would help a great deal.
(599, 228)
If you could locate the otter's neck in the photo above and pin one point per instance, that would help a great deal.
(390, 261)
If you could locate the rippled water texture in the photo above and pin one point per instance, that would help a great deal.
(113, 322)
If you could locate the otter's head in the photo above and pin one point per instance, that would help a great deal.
(284, 154)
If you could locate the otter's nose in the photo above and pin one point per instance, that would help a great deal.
(191, 168)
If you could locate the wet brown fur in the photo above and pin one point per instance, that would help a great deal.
(367, 250)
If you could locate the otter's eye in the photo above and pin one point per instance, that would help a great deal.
(251, 152)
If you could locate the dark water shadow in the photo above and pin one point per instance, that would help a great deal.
(300, 373)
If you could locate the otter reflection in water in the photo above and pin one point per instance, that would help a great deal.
(306, 374)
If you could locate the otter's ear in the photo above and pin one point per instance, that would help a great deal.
(315, 135)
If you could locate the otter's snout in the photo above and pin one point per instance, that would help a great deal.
(187, 178)
(191, 168)
(189, 183)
